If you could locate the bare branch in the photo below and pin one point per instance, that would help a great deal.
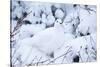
(61, 55)
(19, 24)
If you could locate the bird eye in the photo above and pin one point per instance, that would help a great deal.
(60, 23)
(56, 21)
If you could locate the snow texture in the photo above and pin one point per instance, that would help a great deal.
(52, 33)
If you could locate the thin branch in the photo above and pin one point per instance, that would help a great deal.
(39, 61)
(48, 60)
(19, 24)
(32, 61)
(63, 59)
(61, 55)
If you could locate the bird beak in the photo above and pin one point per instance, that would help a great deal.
(61, 23)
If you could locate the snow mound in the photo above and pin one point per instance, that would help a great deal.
(59, 14)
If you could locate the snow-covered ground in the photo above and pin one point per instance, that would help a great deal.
(52, 33)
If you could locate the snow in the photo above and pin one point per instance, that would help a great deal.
(68, 27)
(57, 5)
(28, 30)
(13, 25)
(85, 17)
(32, 19)
(50, 19)
(19, 11)
(59, 14)
(55, 35)
(44, 18)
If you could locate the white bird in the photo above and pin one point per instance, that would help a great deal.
(46, 41)
(50, 39)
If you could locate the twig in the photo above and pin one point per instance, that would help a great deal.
(61, 55)
(39, 60)
(63, 59)
(32, 61)
(80, 55)
(37, 63)
(91, 39)
(19, 24)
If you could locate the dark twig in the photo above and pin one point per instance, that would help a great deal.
(39, 61)
(19, 24)
(61, 55)
(48, 60)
